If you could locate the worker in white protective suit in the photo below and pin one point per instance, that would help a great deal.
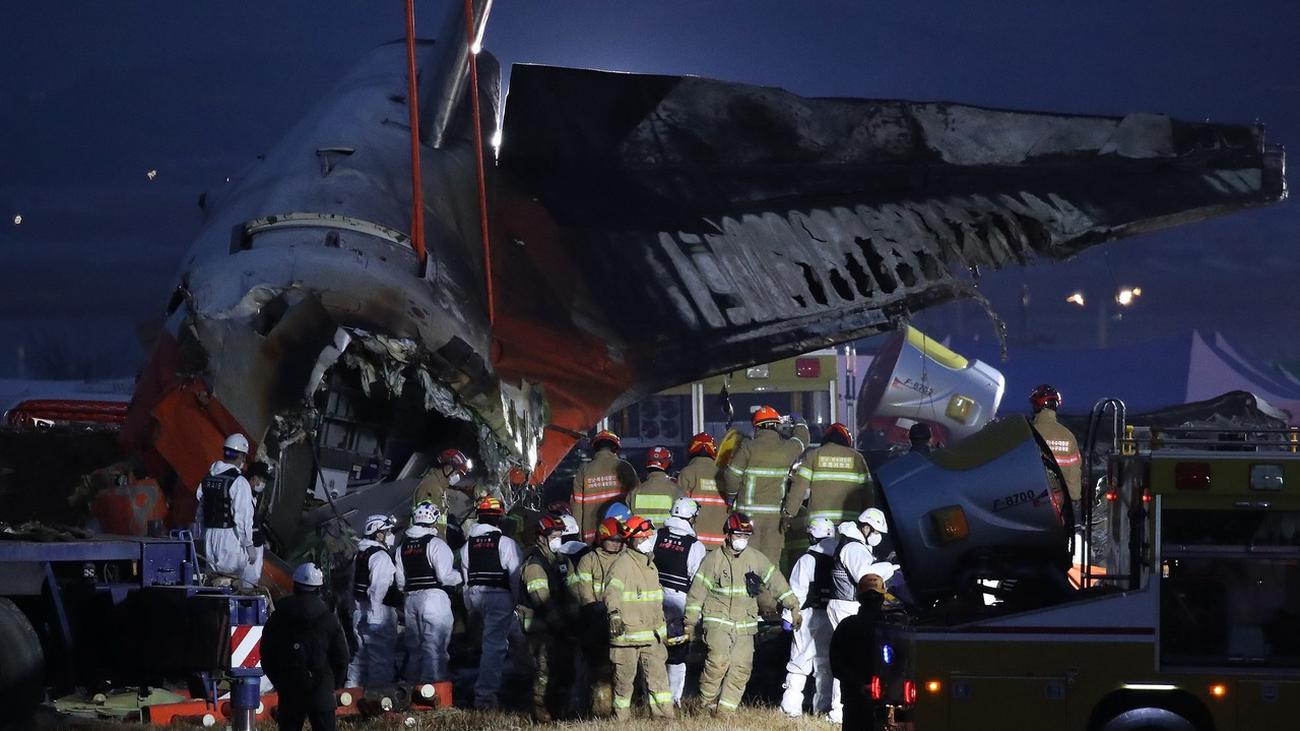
(374, 577)
(677, 555)
(426, 571)
(225, 513)
(259, 474)
(490, 563)
(854, 558)
(810, 580)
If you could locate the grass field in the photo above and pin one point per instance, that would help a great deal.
(747, 719)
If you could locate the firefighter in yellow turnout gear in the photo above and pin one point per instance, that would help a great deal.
(699, 481)
(589, 588)
(549, 613)
(723, 594)
(637, 631)
(756, 477)
(653, 499)
(603, 481)
(1045, 401)
(834, 480)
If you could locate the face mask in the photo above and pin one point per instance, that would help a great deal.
(390, 540)
(453, 479)
(739, 543)
(874, 539)
(554, 543)
(647, 546)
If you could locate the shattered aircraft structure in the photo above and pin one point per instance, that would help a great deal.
(644, 231)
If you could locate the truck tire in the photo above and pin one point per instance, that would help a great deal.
(1148, 719)
(22, 666)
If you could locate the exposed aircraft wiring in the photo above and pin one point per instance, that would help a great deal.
(413, 104)
(478, 157)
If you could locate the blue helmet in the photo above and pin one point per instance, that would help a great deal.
(620, 511)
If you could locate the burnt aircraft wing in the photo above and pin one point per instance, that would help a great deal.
(663, 228)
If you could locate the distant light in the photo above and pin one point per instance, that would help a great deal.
(1218, 690)
(227, 179)
(151, 174)
(476, 47)
(1126, 296)
(887, 654)
(496, 139)
(18, 219)
(933, 686)
(1149, 686)
(1076, 298)
(1137, 291)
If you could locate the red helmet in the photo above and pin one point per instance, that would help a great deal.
(609, 529)
(703, 443)
(839, 434)
(518, 476)
(638, 528)
(606, 436)
(1044, 395)
(765, 415)
(547, 525)
(739, 523)
(659, 458)
(457, 460)
(488, 505)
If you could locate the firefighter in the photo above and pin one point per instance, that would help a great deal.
(810, 579)
(699, 481)
(723, 594)
(678, 554)
(919, 435)
(603, 480)
(549, 615)
(225, 512)
(593, 571)
(634, 601)
(490, 564)
(305, 654)
(853, 559)
(426, 572)
(653, 498)
(259, 474)
(852, 657)
(375, 622)
(440, 486)
(756, 477)
(1045, 400)
(833, 479)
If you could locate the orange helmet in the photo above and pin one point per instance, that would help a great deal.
(659, 458)
(610, 529)
(518, 476)
(638, 528)
(489, 505)
(739, 523)
(606, 436)
(839, 434)
(547, 525)
(765, 415)
(703, 443)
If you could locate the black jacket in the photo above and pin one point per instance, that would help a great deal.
(853, 663)
(301, 619)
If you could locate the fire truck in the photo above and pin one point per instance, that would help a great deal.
(1184, 616)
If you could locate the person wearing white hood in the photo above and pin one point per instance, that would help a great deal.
(810, 580)
(853, 559)
(225, 512)
(375, 622)
(678, 553)
(426, 570)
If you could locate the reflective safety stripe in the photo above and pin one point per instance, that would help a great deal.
(589, 497)
(766, 472)
(694, 607)
(834, 515)
(783, 596)
(805, 473)
(728, 590)
(728, 706)
(642, 636)
(768, 576)
(664, 502)
(660, 699)
(833, 475)
(761, 508)
(709, 500)
(537, 584)
(731, 623)
(643, 596)
(621, 702)
(736, 470)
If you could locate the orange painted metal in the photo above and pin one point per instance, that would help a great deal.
(191, 426)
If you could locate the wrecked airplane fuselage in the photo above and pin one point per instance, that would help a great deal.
(645, 231)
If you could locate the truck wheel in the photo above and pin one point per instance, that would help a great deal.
(22, 665)
(1148, 719)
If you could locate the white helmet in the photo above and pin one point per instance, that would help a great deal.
(376, 523)
(237, 443)
(308, 575)
(571, 526)
(425, 513)
(874, 517)
(685, 508)
(819, 528)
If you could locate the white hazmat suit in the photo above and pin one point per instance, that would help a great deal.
(810, 648)
(376, 623)
(673, 568)
(227, 533)
(420, 564)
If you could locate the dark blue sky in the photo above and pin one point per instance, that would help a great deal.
(94, 94)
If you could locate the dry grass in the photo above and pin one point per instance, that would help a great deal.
(747, 719)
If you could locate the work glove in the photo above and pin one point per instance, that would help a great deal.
(616, 625)
(784, 525)
(689, 632)
(796, 620)
(252, 554)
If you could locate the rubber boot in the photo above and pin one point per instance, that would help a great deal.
(792, 699)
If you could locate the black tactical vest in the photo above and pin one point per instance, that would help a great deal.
(821, 590)
(843, 587)
(420, 574)
(671, 552)
(485, 567)
(218, 506)
(361, 572)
